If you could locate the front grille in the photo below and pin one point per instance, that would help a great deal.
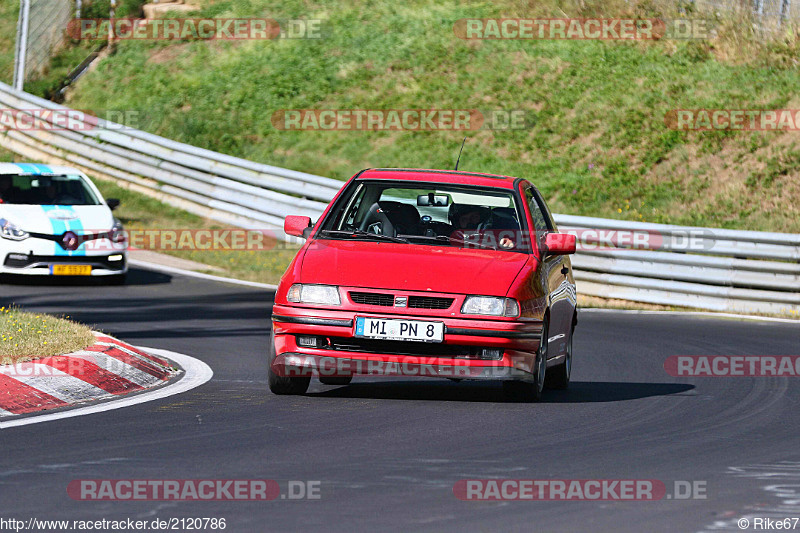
(43, 261)
(387, 300)
(429, 302)
(372, 298)
(354, 344)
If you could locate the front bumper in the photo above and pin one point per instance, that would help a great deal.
(458, 356)
(40, 265)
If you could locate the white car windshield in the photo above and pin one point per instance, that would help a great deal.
(46, 190)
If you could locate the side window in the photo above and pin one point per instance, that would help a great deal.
(350, 214)
(540, 224)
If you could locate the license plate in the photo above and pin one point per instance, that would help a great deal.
(71, 270)
(399, 330)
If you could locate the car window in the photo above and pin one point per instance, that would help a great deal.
(46, 190)
(540, 223)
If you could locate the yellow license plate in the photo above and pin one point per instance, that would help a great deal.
(71, 270)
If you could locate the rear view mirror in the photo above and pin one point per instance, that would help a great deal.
(434, 200)
(112, 203)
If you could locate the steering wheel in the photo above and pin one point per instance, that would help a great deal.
(376, 215)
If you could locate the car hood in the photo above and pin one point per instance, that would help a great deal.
(413, 267)
(56, 219)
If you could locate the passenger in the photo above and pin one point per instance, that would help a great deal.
(466, 217)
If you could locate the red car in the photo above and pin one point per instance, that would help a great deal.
(427, 273)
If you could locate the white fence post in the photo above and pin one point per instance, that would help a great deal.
(22, 44)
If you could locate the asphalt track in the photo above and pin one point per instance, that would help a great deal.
(387, 452)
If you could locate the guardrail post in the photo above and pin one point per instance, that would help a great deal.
(112, 13)
(22, 44)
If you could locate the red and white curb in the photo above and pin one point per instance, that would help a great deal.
(109, 369)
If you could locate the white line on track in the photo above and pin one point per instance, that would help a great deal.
(708, 314)
(210, 277)
(196, 374)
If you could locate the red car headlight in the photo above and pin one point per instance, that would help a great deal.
(490, 306)
(314, 294)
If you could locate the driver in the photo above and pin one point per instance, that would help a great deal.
(6, 189)
(49, 188)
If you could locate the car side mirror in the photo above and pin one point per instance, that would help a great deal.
(559, 244)
(112, 203)
(297, 226)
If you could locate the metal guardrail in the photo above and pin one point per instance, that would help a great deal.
(718, 269)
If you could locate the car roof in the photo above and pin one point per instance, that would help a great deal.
(443, 176)
(35, 169)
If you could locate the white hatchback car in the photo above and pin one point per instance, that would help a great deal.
(54, 222)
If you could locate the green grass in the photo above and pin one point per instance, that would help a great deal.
(597, 146)
(25, 336)
(9, 11)
(65, 58)
(8, 157)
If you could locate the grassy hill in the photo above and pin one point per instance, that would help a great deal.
(597, 145)
(8, 31)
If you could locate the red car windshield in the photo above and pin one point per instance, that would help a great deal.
(418, 213)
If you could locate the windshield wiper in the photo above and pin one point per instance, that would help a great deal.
(361, 233)
(448, 240)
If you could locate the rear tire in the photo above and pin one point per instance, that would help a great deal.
(558, 376)
(282, 384)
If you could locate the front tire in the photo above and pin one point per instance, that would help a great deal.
(531, 391)
(282, 384)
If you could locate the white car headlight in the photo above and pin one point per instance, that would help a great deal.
(117, 233)
(12, 232)
(490, 306)
(314, 294)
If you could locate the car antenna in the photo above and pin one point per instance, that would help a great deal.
(459, 152)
